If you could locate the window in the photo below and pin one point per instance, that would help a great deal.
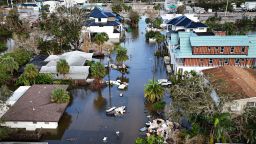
(237, 61)
(232, 50)
(210, 61)
(242, 60)
(201, 60)
(216, 48)
(226, 61)
(250, 104)
(243, 49)
(221, 49)
(209, 48)
(15, 122)
(201, 28)
(99, 19)
(34, 122)
(46, 122)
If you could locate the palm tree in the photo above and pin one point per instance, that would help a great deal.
(62, 67)
(121, 55)
(31, 72)
(159, 39)
(100, 38)
(60, 96)
(98, 71)
(9, 64)
(153, 91)
(134, 17)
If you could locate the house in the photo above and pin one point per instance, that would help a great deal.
(190, 51)
(236, 83)
(183, 23)
(76, 61)
(34, 109)
(102, 21)
(250, 5)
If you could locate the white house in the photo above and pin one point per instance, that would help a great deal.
(250, 5)
(34, 109)
(104, 22)
(183, 23)
(76, 61)
(238, 82)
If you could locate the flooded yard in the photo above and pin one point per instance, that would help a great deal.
(85, 120)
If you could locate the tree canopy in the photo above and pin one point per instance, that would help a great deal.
(153, 91)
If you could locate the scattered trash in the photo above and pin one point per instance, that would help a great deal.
(118, 81)
(116, 111)
(105, 139)
(122, 86)
(143, 129)
(160, 127)
(111, 109)
(164, 82)
(121, 94)
(148, 116)
(167, 60)
(71, 139)
(117, 133)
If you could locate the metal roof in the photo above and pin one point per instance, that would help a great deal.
(219, 40)
(185, 49)
(186, 22)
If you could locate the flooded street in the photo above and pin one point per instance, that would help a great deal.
(85, 120)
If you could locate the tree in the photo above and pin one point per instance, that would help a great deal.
(62, 67)
(191, 96)
(98, 72)
(64, 27)
(100, 38)
(134, 17)
(121, 55)
(181, 9)
(157, 7)
(150, 140)
(21, 56)
(9, 64)
(153, 91)
(30, 73)
(60, 96)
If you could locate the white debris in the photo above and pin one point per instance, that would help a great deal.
(160, 81)
(116, 111)
(122, 86)
(111, 109)
(118, 81)
(105, 139)
(121, 94)
(117, 133)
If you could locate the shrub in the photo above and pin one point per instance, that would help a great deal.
(20, 55)
(43, 78)
(159, 105)
(60, 96)
(2, 46)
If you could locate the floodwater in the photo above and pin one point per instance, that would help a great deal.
(85, 120)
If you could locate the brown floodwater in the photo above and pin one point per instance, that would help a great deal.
(85, 121)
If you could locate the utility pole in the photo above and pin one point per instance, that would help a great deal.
(226, 9)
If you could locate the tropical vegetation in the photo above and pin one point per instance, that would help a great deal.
(150, 140)
(134, 18)
(60, 95)
(99, 39)
(62, 67)
(9, 64)
(153, 91)
(98, 72)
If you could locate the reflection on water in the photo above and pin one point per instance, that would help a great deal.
(89, 124)
(100, 102)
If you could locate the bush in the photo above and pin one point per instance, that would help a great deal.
(158, 105)
(43, 78)
(20, 55)
(2, 46)
(151, 34)
(60, 96)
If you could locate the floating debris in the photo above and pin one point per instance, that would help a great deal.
(143, 129)
(116, 111)
(117, 133)
(122, 86)
(105, 139)
(121, 94)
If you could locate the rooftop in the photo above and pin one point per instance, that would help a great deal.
(35, 105)
(186, 22)
(99, 13)
(238, 82)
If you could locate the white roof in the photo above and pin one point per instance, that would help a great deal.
(72, 70)
(17, 94)
(74, 58)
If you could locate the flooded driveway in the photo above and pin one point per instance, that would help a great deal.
(85, 120)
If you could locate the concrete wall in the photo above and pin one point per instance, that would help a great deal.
(237, 106)
(30, 125)
(107, 29)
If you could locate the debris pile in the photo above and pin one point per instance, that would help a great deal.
(116, 111)
(160, 127)
(121, 85)
(164, 82)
